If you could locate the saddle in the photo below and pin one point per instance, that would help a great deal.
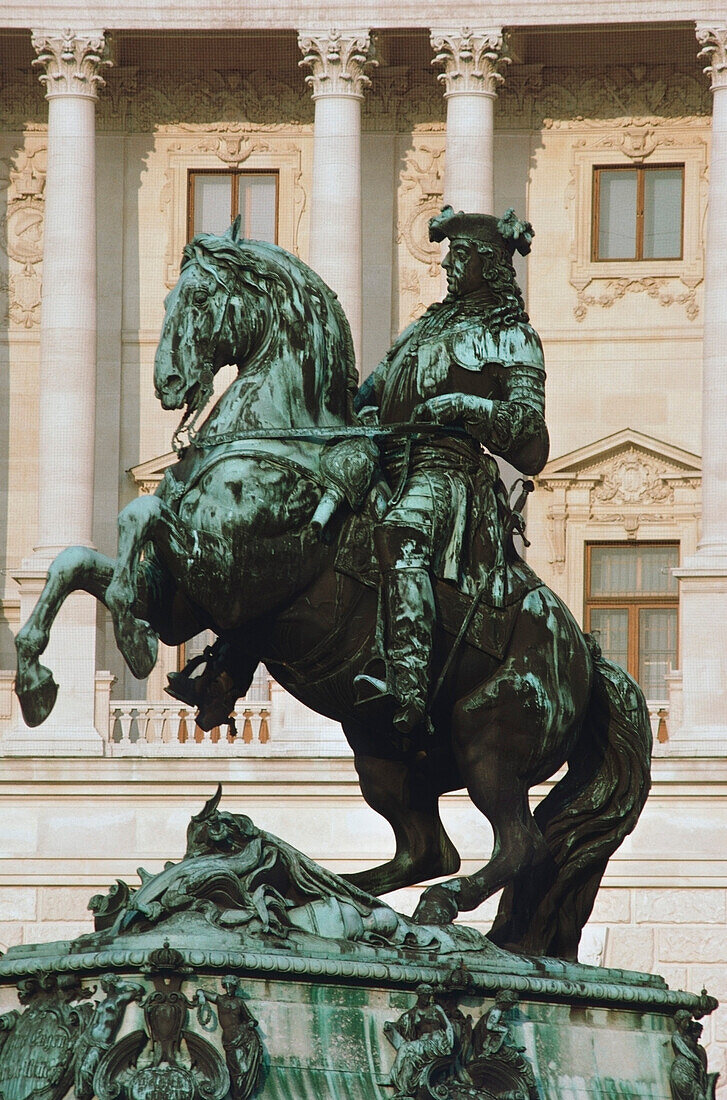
(491, 621)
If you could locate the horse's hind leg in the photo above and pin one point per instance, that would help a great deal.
(423, 849)
(493, 731)
(76, 568)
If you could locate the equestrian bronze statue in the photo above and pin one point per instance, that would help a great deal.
(360, 543)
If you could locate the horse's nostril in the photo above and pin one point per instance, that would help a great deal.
(172, 381)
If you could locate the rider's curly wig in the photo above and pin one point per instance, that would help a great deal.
(499, 274)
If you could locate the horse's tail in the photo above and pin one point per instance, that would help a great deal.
(584, 818)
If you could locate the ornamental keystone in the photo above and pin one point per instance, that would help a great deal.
(339, 61)
(713, 41)
(471, 59)
(72, 61)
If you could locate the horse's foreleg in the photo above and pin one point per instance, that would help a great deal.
(77, 568)
(423, 849)
(187, 553)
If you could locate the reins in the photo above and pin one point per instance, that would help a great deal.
(319, 435)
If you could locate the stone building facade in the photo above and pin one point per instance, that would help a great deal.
(360, 122)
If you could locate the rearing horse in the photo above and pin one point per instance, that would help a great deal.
(227, 544)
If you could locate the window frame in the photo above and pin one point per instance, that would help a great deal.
(235, 173)
(633, 604)
(640, 170)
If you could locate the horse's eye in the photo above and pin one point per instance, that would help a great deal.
(200, 296)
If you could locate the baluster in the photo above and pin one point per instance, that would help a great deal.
(264, 735)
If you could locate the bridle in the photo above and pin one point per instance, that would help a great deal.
(206, 380)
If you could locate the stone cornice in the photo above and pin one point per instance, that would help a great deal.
(339, 60)
(713, 42)
(71, 61)
(471, 59)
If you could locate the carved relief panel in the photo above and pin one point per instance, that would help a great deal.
(23, 178)
(420, 197)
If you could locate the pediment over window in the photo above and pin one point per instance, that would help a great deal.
(628, 469)
(147, 475)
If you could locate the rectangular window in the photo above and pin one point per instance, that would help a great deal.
(631, 608)
(638, 212)
(217, 197)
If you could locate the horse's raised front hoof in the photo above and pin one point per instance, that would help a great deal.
(139, 645)
(36, 691)
(437, 905)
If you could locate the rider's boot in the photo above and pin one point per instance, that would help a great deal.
(403, 675)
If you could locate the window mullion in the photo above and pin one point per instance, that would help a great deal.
(640, 213)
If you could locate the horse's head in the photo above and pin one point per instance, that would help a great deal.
(193, 343)
(247, 302)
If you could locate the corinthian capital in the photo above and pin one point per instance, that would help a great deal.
(713, 41)
(339, 61)
(71, 61)
(471, 59)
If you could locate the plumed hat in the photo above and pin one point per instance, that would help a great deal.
(507, 232)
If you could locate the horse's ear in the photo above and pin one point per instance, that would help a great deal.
(234, 231)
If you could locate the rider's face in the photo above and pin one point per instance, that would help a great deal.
(463, 265)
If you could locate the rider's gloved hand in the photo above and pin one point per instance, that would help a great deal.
(369, 416)
(444, 409)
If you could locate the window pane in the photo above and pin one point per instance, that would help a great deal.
(617, 215)
(613, 570)
(258, 206)
(657, 649)
(655, 577)
(611, 628)
(662, 213)
(212, 202)
(633, 570)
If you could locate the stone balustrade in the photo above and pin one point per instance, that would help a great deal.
(139, 728)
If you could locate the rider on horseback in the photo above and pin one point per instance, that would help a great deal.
(471, 361)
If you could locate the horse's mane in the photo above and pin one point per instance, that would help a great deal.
(308, 311)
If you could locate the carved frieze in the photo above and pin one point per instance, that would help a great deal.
(441, 1056)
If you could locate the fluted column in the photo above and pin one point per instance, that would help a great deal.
(703, 578)
(471, 60)
(339, 61)
(70, 64)
(70, 68)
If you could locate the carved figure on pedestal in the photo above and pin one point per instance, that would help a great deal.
(689, 1078)
(495, 1061)
(240, 1038)
(423, 1038)
(102, 1030)
(274, 527)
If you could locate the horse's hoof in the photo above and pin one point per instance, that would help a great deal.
(437, 905)
(140, 647)
(36, 692)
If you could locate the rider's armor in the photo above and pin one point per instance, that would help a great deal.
(446, 513)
